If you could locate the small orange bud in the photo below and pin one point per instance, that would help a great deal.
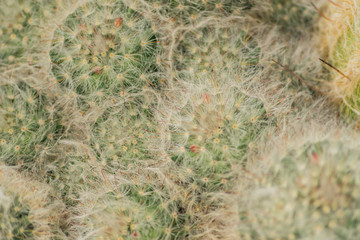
(194, 148)
(118, 22)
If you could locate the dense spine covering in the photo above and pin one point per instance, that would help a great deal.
(28, 209)
(30, 126)
(305, 186)
(154, 119)
(340, 44)
(104, 46)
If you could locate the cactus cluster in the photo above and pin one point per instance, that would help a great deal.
(185, 119)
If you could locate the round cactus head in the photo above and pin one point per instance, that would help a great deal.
(26, 211)
(214, 48)
(20, 28)
(16, 20)
(341, 41)
(186, 12)
(291, 17)
(14, 223)
(29, 125)
(104, 45)
(311, 191)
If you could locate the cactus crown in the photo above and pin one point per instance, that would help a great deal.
(104, 45)
(340, 38)
(310, 191)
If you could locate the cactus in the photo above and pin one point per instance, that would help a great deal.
(292, 17)
(20, 31)
(216, 123)
(214, 126)
(15, 220)
(26, 211)
(135, 209)
(303, 188)
(105, 46)
(14, 31)
(186, 12)
(30, 126)
(339, 42)
(214, 48)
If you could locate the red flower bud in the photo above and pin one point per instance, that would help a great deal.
(118, 22)
(195, 148)
(314, 158)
